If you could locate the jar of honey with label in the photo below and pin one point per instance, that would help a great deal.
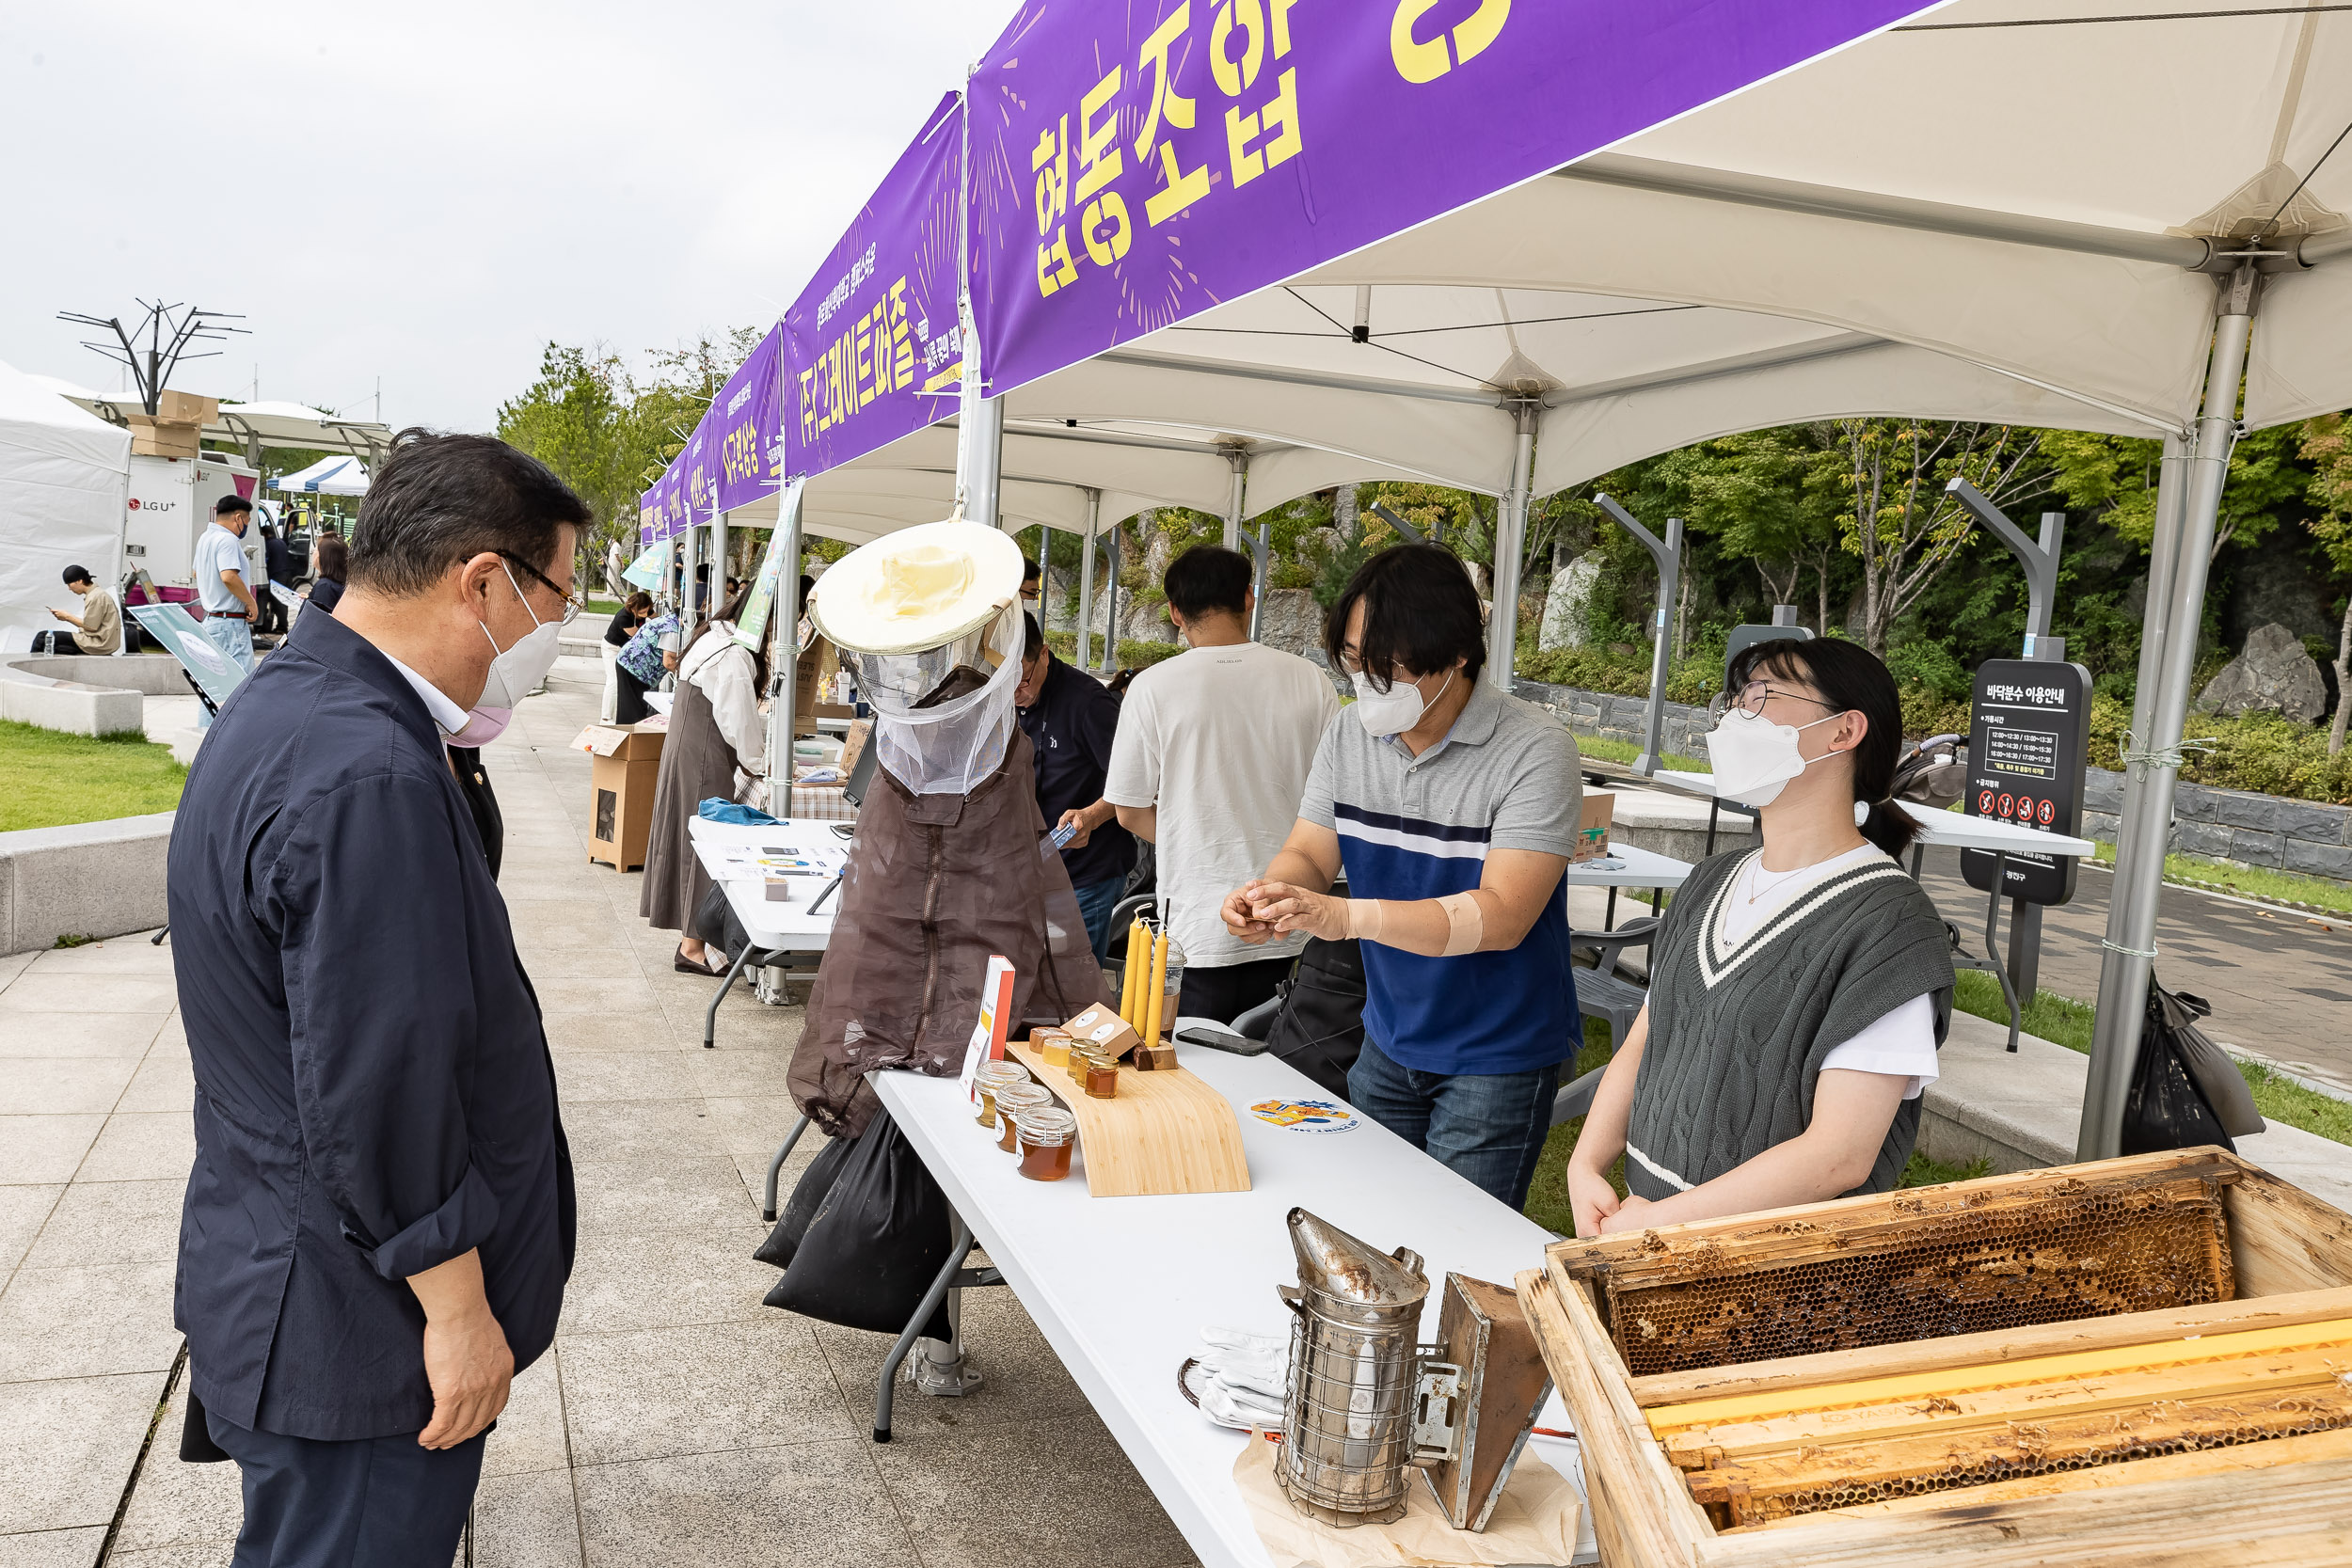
(1012, 1100)
(989, 1077)
(1047, 1136)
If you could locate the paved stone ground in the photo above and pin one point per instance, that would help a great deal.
(676, 1421)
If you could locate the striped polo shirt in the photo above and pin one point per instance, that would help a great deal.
(1503, 778)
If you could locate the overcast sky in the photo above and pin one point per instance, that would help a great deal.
(429, 192)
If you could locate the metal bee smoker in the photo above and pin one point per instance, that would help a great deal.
(1364, 1401)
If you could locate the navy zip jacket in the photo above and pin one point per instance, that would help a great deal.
(373, 1092)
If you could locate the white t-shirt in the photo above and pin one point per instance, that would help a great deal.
(219, 550)
(1901, 1044)
(1221, 741)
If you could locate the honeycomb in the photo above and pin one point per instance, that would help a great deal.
(1811, 1480)
(2086, 1253)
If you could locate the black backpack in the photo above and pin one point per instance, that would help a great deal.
(1319, 1027)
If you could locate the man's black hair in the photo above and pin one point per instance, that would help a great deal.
(228, 504)
(1420, 614)
(76, 574)
(1034, 636)
(1028, 571)
(1207, 578)
(441, 499)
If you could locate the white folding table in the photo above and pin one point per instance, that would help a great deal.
(1122, 1287)
(1957, 831)
(798, 924)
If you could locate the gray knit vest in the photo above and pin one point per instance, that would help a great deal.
(1738, 1038)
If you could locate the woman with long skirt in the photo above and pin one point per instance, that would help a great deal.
(716, 733)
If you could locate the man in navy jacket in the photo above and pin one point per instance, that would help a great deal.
(379, 1223)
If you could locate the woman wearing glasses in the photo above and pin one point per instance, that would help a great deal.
(716, 739)
(1798, 991)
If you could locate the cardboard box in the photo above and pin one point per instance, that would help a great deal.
(818, 661)
(186, 407)
(628, 767)
(1101, 1028)
(154, 438)
(1592, 825)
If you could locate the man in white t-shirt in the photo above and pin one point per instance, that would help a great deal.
(1211, 756)
(229, 605)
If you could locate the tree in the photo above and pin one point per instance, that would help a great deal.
(1899, 521)
(2116, 475)
(2327, 445)
(1767, 496)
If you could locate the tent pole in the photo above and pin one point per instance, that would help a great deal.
(1085, 578)
(2153, 761)
(718, 553)
(980, 434)
(1239, 460)
(1263, 547)
(1110, 596)
(1502, 622)
(784, 671)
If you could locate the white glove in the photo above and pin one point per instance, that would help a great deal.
(1241, 1408)
(1239, 1359)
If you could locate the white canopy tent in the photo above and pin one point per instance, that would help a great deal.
(63, 481)
(254, 426)
(1993, 213)
(329, 476)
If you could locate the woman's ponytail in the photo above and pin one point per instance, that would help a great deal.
(1888, 827)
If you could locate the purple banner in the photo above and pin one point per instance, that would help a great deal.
(1135, 164)
(743, 423)
(873, 344)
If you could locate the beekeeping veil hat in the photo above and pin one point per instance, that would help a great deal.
(928, 621)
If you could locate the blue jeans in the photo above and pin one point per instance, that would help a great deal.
(380, 1502)
(1488, 1129)
(1096, 900)
(235, 640)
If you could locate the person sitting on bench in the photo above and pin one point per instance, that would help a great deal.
(98, 630)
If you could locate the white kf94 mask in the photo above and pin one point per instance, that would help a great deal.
(1752, 758)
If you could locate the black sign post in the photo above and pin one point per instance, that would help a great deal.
(2029, 733)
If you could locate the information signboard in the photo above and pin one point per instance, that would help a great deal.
(2029, 731)
(183, 639)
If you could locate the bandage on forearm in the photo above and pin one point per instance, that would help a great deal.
(1365, 919)
(1465, 923)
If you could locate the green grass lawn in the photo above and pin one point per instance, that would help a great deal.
(1625, 752)
(2246, 882)
(2069, 1022)
(48, 779)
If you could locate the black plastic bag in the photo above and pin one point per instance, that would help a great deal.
(875, 1243)
(2167, 1108)
(1319, 1027)
(809, 1196)
(2209, 1066)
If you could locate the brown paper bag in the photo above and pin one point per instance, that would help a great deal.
(1534, 1522)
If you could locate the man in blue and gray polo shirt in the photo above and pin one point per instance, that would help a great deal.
(1453, 809)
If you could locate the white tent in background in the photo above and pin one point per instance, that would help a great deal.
(63, 478)
(329, 476)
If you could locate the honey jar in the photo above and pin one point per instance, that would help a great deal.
(1047, 1136)
(988, 1079)
(1102, 1080)
(1012, 1101)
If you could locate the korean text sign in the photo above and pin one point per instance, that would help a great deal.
(1134, 164)
(873, 344)
(742, 427)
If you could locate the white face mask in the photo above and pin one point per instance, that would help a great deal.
(515, 671)
(1393, 711)
(1754, 758)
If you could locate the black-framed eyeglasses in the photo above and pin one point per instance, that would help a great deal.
(1752, 698)
(572, 605)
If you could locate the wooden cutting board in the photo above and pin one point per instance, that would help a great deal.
(1164, 1131)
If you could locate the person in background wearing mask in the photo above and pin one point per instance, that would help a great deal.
(230, 610)
(1031, 581)
(1453, 809)
(380, 1221)
(1800, 990)
(1072, 724)
(1212, 750)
